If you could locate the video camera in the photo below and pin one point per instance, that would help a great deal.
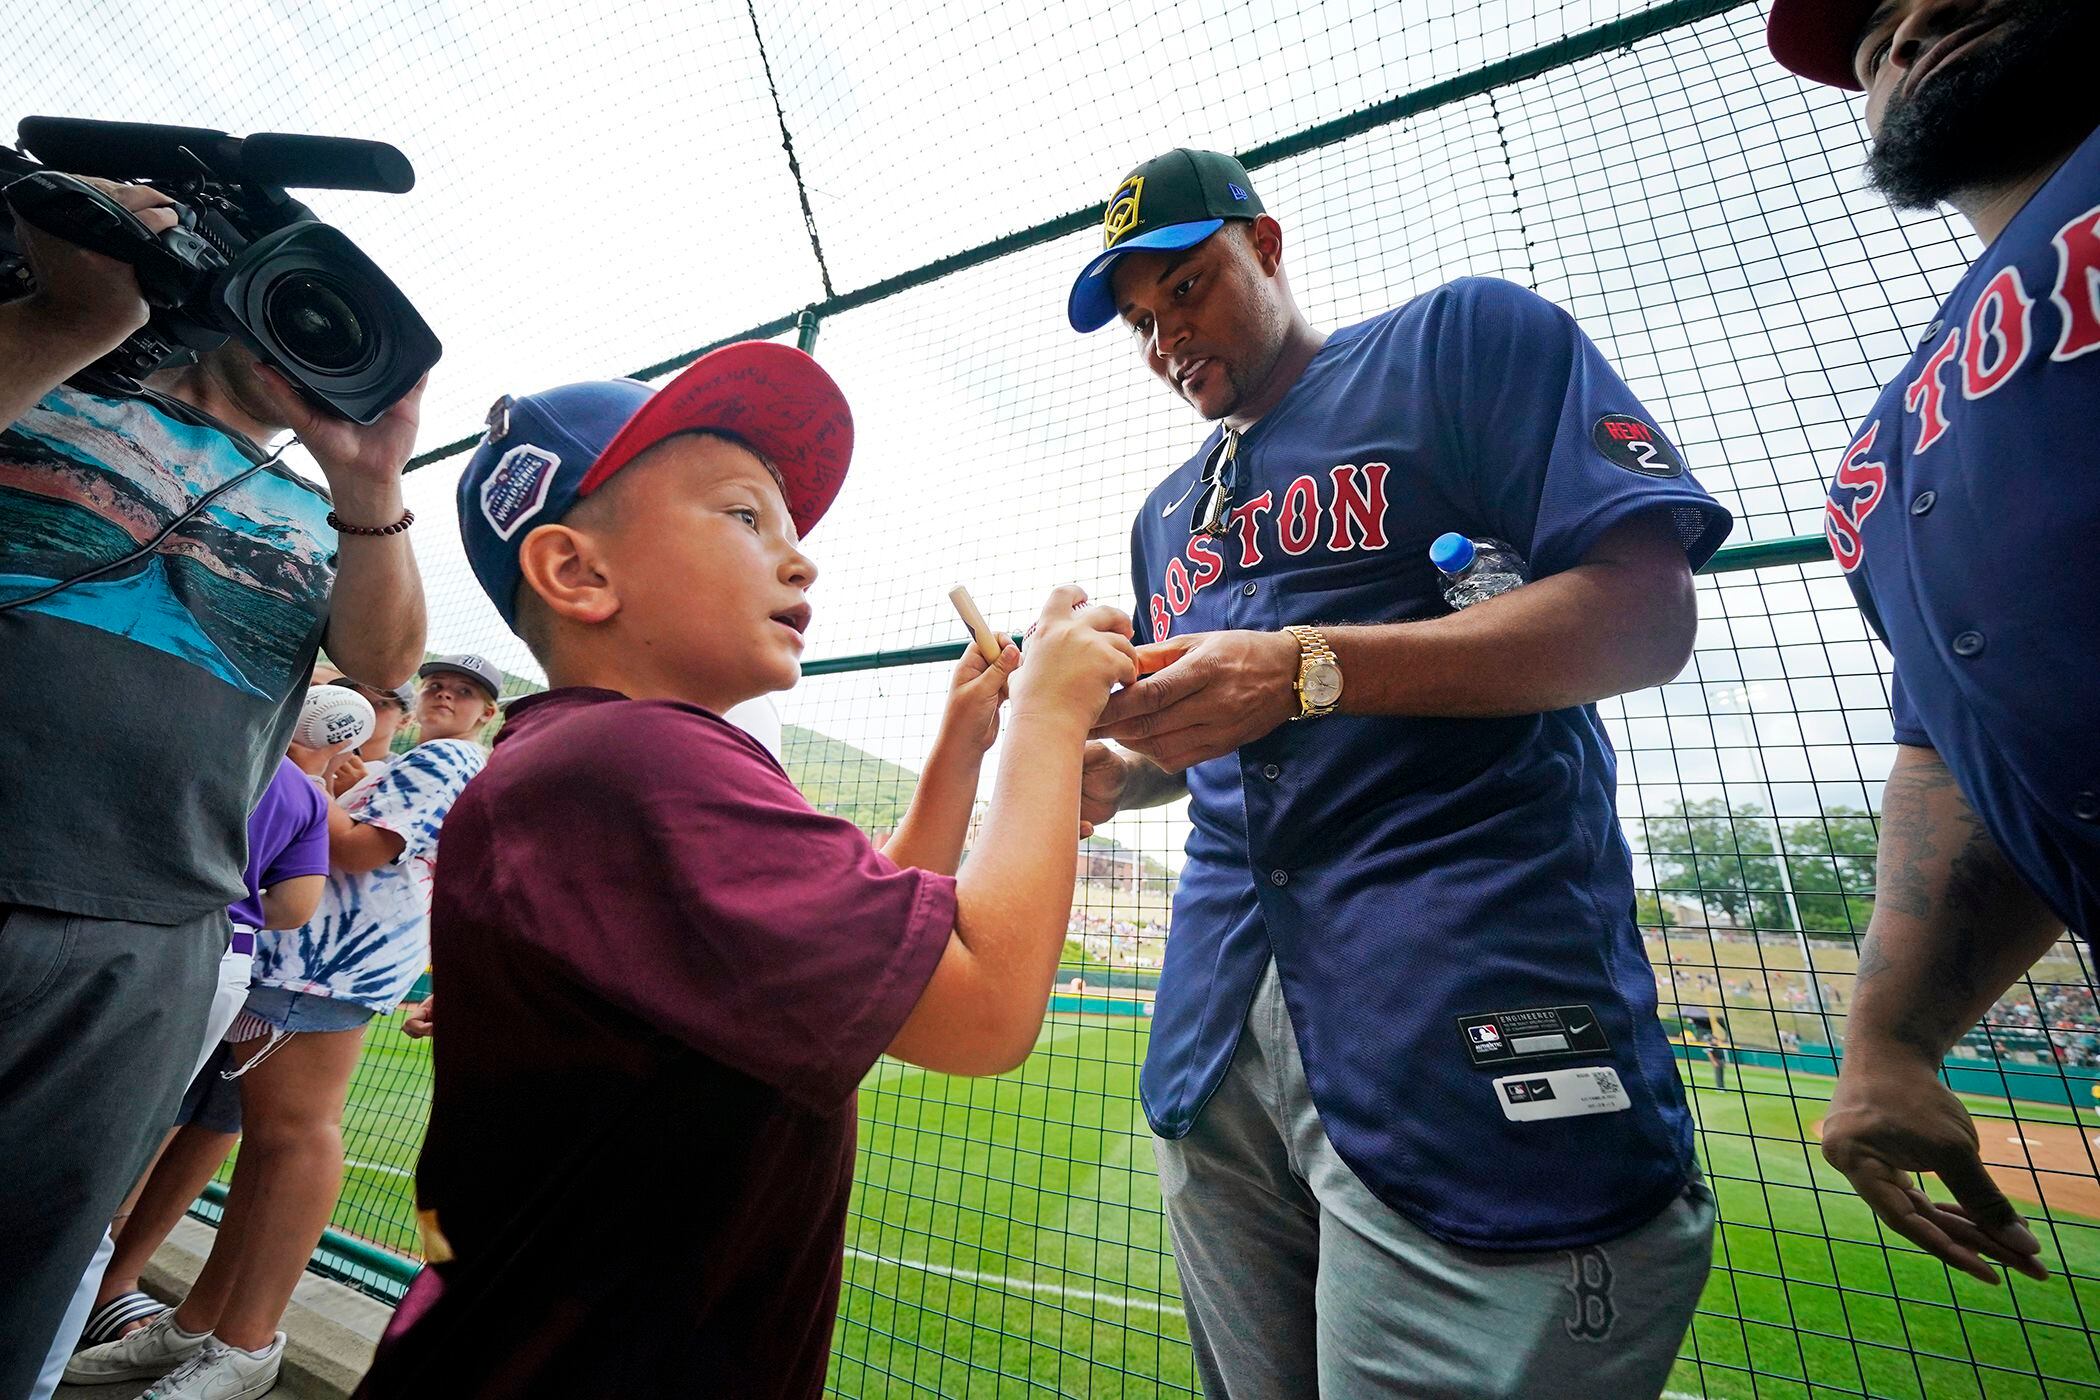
(246, 259)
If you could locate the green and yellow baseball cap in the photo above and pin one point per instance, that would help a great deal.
(1170, 202)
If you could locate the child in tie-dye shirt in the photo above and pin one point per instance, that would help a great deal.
(297, 1039)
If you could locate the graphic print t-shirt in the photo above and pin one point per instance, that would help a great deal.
(371, 937)
(147, 707)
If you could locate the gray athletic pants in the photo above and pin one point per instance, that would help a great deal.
(1298, 1282)
(99, 1025)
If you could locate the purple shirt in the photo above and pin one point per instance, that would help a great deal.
(287, 838)
(665, 975)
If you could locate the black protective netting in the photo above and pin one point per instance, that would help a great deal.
(604, 189)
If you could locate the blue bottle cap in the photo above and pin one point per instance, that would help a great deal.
(1451, 552)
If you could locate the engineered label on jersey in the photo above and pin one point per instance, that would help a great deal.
(1507, 1037)
(1561, 1093)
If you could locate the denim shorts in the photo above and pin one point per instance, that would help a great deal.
(288, 1010)
(213, 1102)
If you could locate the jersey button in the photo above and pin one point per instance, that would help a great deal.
(1924, 502)
(2086, 806)
(1279, 877)
(1271, 771)
(1247, 589)
(1968, 644)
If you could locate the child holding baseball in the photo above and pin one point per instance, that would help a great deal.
(664, 972)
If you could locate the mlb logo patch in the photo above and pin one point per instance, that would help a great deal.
(1484, 1035)
(517, 489)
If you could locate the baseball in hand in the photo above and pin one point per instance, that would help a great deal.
(333, 715)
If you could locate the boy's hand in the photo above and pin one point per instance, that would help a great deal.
(422, 1020)
(1076, 655)
(347, 772)
(314, 762)
(971, 719)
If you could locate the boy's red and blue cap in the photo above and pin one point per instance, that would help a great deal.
(544, 452)
(1170, 202)
(1818, 39)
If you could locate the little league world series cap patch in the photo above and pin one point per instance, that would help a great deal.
(1171, 202)
(544, 452)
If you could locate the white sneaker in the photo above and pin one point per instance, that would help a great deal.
(154, 1350)
(220, 1372)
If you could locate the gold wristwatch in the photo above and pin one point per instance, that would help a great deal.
(1319, 683)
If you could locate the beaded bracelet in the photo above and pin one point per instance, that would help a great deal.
(408, 518)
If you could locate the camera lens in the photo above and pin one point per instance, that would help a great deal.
(312, 317)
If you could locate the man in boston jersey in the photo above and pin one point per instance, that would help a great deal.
(1419, 1131)
(1965, 514)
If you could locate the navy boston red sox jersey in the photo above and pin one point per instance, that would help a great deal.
(1966, 516)
(1449, 902)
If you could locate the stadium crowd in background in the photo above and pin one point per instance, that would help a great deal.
(154, 707)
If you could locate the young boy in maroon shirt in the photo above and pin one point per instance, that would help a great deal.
(664, 972)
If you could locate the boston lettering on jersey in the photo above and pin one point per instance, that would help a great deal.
(1977, 358)
(1348, 515)
(1964, 513)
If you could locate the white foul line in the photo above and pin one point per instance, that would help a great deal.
(1003, 1282)
(378, 1167)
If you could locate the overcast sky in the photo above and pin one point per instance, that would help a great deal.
(602, 186)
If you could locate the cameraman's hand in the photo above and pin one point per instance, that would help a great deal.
(86, 303)
(362, 462)
(1075, 655)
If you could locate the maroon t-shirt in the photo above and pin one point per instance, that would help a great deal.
(664, 975)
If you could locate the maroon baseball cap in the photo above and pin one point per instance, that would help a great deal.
(775, 398)
(1818, 38)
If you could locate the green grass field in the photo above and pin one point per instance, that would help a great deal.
(1006, 1240)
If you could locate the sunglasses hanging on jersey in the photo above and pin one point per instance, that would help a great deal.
(1219, 479)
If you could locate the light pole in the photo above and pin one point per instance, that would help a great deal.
(1738, 697)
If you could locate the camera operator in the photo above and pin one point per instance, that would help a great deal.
(146, 707)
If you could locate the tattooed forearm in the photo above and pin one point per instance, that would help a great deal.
(1910, 834)
(1954, 925)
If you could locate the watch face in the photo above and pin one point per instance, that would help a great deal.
(1323, 683)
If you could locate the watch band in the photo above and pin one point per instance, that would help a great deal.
(1312, 648)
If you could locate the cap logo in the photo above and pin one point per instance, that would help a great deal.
(1122, 216)
(517, 489)
(1237, 193)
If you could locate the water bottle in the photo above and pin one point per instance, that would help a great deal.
(1475, 570)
